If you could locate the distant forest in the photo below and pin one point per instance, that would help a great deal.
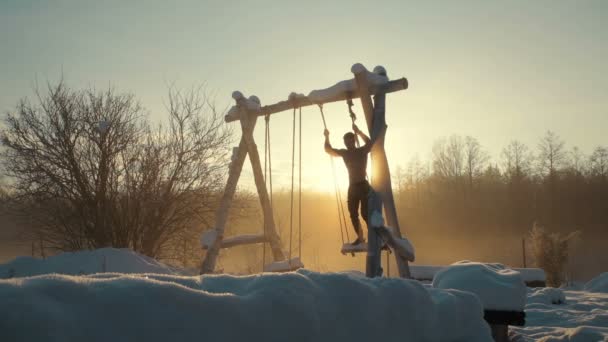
(560, 188)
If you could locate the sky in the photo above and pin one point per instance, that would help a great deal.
(495, 70)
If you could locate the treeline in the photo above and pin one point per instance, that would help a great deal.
(461, 188)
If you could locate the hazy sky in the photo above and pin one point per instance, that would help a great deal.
(496, 70)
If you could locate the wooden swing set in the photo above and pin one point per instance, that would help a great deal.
(371, 88)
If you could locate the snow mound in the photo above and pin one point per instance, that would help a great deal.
(498, 287)
(598, 284)
(582, 317)
(85, 262)
(546, 295)
(297, 306)
(338, 90)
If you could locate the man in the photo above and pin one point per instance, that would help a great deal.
(355, 159)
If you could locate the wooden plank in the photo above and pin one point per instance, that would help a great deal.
(373, 261)
(260, 184)
(236, 166)
(241, 240)
(290, 265)
(390, 87)
(380, 180)
(358, 248)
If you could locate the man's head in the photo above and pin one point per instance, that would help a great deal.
(349, 140)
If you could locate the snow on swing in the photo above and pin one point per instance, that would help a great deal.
(337, 91)
(295, 96)
(252, 104)
(208, 238)
(401, 245)
(284, 266)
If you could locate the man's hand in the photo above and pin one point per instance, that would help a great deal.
(326, 133)
(355, 128)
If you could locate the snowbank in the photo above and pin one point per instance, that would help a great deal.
(533, 277)
(546, 295)
(582, 317)
(498, 287)
(85, 262)
(298, 306)
(598, 284)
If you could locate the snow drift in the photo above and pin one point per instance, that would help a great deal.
(598, 284)
(498, 287)
(563, 315)
(85, 262)
(298, 306)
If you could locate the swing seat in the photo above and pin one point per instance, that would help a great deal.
(348, 248)
(284, 266)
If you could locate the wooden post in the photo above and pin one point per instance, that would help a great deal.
(246, 146)
(381, 179)
(260, 184)
(236, 166)
(523, 250)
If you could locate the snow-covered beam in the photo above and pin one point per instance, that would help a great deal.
(243, 240)
(208, 238)
(303, 101)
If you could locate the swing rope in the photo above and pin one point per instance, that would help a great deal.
(267, 179)
(293, 153)
(300, 187)
(341, 216)
(353, 118)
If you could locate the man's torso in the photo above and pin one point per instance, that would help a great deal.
(356, 163)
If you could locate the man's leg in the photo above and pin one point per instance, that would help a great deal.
(364, 195)
(353, 210)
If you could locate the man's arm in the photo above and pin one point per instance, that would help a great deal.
(330, 150)
(367, 141)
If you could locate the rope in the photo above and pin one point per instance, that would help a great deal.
(293, 152)
(266, 167)
(338, 195)
(353, 118)
(300, 188)
(388, 265)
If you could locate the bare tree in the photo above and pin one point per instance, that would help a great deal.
(89, 169)
(449, 157)
(516, 159)
(598, 162)
(576, 160)
(475, 158)
(552, 154)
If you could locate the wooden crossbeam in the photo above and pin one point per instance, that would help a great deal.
(390, 87)
(241, 240)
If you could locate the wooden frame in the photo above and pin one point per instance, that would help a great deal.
(375, 119)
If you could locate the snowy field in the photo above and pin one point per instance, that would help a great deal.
(69, 298)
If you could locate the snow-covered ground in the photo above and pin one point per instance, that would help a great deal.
(564, 315)
(140, 299)
(296, 306)
(85, 262)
